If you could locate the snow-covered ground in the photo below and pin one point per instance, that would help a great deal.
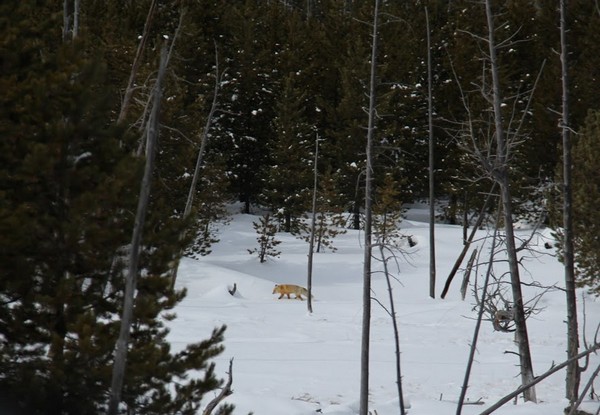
(290, 362)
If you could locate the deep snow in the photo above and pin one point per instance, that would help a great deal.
(290, 362)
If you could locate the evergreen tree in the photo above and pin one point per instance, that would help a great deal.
(387, 212)
(251, 44)
(288, 180)
(330, 217)
(266, 230)
(330, 220)
(586, 196)
(345, 130)
(69, 183)
(60, 224)
(211, 212)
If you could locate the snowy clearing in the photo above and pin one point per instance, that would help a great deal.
(290, 362)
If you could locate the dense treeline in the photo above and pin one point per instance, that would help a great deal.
(288, 71)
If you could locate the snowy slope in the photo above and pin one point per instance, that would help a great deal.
(290, 362)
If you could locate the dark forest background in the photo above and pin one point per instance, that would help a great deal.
(277, 75)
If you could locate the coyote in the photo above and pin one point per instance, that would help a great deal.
(287, 289)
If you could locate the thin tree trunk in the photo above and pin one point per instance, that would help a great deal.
(204, 138)
(431, 165)
(137, 60)
(75, 19)
(587, 387)
(120, 361)
(540, 378)
(392, 313)
(468, 242)
(573, 371)
(501, 175)
(467, 276)
(225, 392)
(366, 295)
(67, 17)
(169, 54)
(472, 350)
(312, 229)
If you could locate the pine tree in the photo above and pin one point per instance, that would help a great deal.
(243, 136)
(211, 212)
(387, 212)
(330, 218)
(59, 160)
(288, 180)
(266, 230)
(69, 182)
(586, 196)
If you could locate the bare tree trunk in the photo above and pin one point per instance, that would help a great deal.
(392, 313)
(465, 385)
(587, 387)
(468, 242)
(136, 62)
(312, 229)
(502, 177)
(467, 276)
(75, 19)
(555, 368)
(204, 137)
(225, 392)
(366, 295)
(573, 370)
(67, 17)
(431, 165)
(120, 361)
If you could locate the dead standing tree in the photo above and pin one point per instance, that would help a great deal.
(499, 171)
(431, 163)
(70, 19)
(493, 140)
(118, 374)
(312, 228)
(201, 150)
(137, 61)
(366, 293)
(573, 370)
(465, 385)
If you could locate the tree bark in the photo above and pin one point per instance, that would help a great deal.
(431, 165)
(225, 392)
(312, 229)
(472, 350)
(204, 138)
(120, 361)
(540, 378)
(366, 295)
(500, 173)
(392, 313)
(70, 20)
(75, 18)
(467, 242)
(136, 62)
(573, 371)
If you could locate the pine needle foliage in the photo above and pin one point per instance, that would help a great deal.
(69, 182)
(586, 197)
(267, 241)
